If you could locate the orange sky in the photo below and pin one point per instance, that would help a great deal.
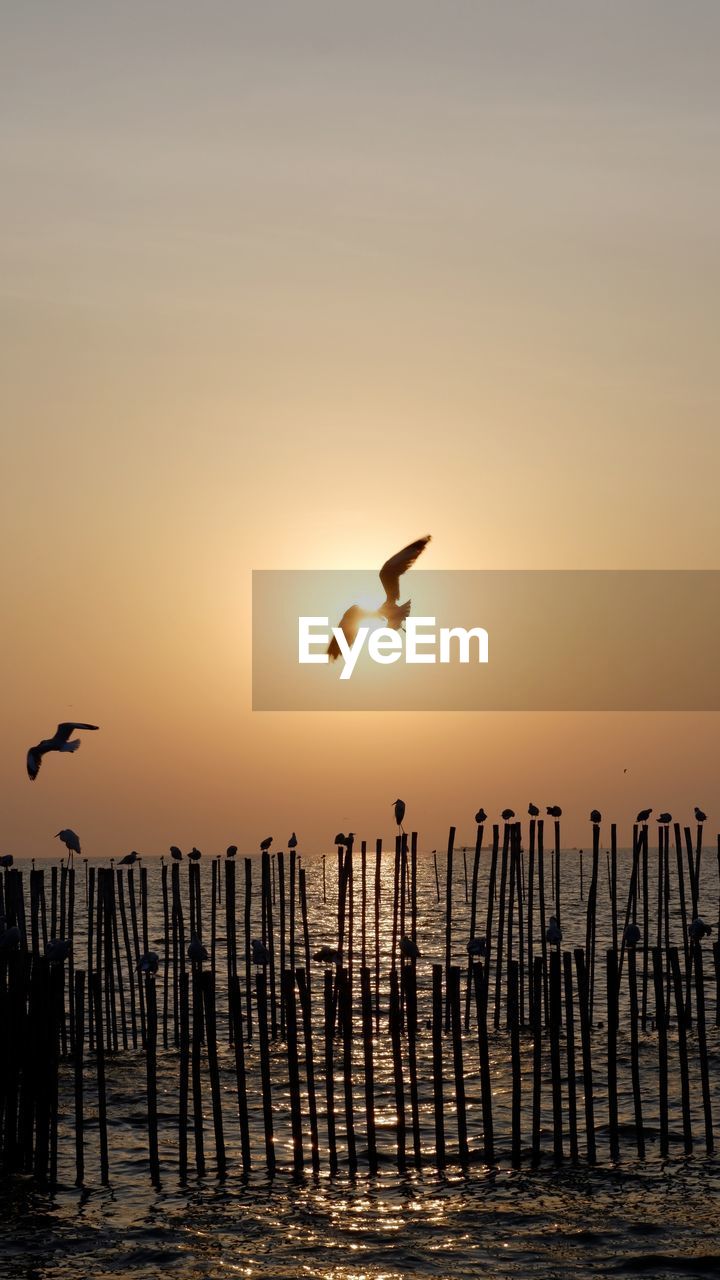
(286, 287)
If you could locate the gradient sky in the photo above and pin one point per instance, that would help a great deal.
(288, 285)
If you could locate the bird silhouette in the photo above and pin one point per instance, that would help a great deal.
(194, 854)
(231, 851)
(58, 950)
(175, 853)
(664, 818)
(699, 929)
(265, 844)
(643, 815)
(196, 951)
(480, 817)
(399, 812)
(391, 611)
(409, 949)
(149, 962)
(6, 860)
(476, 946)
(631, 935)
(595, 816)
(699, 815)
(346, 840)
(71, 840)
(327, 955)
(553, 933)
(260, 953)
(507, 814)
(62, 740)
(533, 810)
(130, 859)
(9, 938)
(292, 842)
(554, 811)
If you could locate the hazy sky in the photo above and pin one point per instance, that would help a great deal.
(288, 285)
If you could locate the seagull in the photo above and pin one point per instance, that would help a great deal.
(699, 929)
(9, 938)
(664, 817)
(6, 860)
(194, 854)
(231, 851)
(409, 948)
(533, 810)
(553, 933)
(71, 840)
(554, 811)
(631, 935)
(643, 815)
(476, 947)
(595, 816)
(399, 812)
(175, 853)
(480, 817)
(391, 611)
(699, 815)
(196, 950)
(327, 955)
(149, 962)
(130, 859)
(507, 814)
(265, 844)
(292, 842)
(346, 840)
(60, 741)
(260, 953)
(58, 950)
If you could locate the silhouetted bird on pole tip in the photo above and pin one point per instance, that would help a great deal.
(391, 611)
(196, 951)
(175, 853)
(260, 953)
(9, 938)
(480, 817)
(327, 955)
(231, 851)
(554, 811)
(265, 844)
(194, 855)
(149, 962)
(476, 946)
(6, 860)
(507, 814)
(292, 842)
(699, 929)
(643, 815)
(58, 950)
(595, 816)
(62, 740)
(664, 818)
(553, 933)
(346, 840)
(399, 812)
(699, 815)
(533, 810)
(409, 948)
(631, 935)
(71, 840)
(129, 860)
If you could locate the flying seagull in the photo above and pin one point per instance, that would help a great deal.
(62, 740)
(393, 613)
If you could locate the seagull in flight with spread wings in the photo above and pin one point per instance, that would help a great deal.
(60, 741)
(390, 610)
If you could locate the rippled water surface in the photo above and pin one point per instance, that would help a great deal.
(656, 1218)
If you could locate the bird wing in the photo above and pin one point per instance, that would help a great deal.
(394, 568)
(34, 760)
(349, 624)
(66, 729)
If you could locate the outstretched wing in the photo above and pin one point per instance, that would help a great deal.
(64, 731)
(34, 760)
(394, 568)
(349, 624)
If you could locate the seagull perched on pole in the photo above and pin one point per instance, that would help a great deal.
(6, 860)
(553, 933)
(480, 817)
(194, 854)
(554, 811)
(327, 955)
(533, 810)
(595, 816)
(409, 949)
(62, 740)
(699, 815)
(149, 962)
(292, 842)
(58, 950)
(175, 853)
(196, 951)
(265, 844)
(399, 812)
(231, 851)
(130, 859)
(664, 818)
(71, 840)
(260, 953)
(643, 815)
(507, 814)
(391, 611)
